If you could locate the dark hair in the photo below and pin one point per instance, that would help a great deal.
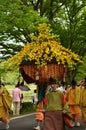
(85, 79)
(2, 85)
(35, 90)
(52, 80)
(73, 83)
(62, 83)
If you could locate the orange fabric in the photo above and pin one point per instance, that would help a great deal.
(78, 117)
(70, 96)
(39, 106)
(75, 109)
(83, 104)
(6, 118)
(39, 113)
(84, 115)
(39, 116)
(76, 112)
(74, 96)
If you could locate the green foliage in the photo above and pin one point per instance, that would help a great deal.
(17, 21)
(27, 107)
(81, 71)
(7, 76)
(70, 25)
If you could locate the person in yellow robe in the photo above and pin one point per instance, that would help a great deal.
(83, 103)
(4, 115)
(73, 98)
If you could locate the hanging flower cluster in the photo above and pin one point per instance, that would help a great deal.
(43, 49)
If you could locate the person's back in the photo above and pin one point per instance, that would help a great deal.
(16, 94)
(73, 98)
(16, 100)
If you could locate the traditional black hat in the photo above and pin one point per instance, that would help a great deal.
(52, 80)
(73, 83)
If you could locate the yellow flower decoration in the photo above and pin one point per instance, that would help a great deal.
(43, 49)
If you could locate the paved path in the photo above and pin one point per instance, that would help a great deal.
(28, 122)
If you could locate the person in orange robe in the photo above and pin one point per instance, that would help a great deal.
(83, 102)
(73, 98)
(39, 114)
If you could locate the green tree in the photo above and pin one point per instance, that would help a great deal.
(81, 73)
(19, 18)
(17, 21)
(8, 76)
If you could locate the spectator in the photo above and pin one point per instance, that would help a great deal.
(21, 102)
(34, 98)
(16, 100)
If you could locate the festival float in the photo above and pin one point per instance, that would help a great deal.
(43, 57)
